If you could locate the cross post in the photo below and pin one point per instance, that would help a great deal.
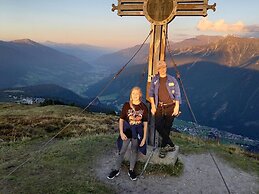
(160, 13)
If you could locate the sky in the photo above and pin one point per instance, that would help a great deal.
(92, 22)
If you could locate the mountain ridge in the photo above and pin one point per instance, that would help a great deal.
(52, 92)
(229, 51)
(25, 62)
(85, 52)
(222, 50)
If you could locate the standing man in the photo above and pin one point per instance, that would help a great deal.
(165, 98)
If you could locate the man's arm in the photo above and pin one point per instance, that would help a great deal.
(177, 93)
(176, 108)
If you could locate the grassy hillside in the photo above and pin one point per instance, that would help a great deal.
(67, 164)
(19, 122)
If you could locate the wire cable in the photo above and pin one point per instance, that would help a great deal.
(178, 75)
(189, 106)
(100, 93)
(220, 172)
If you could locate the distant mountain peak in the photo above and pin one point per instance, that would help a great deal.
(25, 41)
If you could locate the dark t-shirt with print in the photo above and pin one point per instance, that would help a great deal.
(135, 115)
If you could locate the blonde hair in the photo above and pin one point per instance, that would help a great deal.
(140, 94)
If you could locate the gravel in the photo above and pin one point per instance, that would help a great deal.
(200, 176)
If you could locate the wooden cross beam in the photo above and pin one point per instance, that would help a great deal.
(180, 7)
(129, 7)
(160, 13)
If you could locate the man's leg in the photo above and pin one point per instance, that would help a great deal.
(160, 125)
(168, 124)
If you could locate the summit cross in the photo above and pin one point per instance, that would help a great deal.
(160, 13)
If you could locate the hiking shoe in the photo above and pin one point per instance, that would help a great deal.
(132, 175)
(113, 174)
(162, 153)
(169, 148)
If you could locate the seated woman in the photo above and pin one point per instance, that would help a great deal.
(133, 128)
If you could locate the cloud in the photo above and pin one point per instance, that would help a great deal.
(252, 31)
(252, 28)
(221, 26)
(238, 28)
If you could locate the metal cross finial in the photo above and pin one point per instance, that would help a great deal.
(129, 7)
(213, 7)
(114, 7)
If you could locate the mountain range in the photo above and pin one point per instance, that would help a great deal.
(220, 75)
(113, 61)
(25, 62)
(85, 52)
(230, 51)
(221, 79)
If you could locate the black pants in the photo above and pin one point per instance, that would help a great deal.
(163, 123)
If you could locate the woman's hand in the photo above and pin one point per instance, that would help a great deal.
(142, 142)
(153, 110)
(123, 136)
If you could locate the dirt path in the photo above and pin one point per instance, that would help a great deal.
(200, 176)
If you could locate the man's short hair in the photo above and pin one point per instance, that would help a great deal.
(161, 64)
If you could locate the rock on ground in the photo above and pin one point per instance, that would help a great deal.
(200, 176)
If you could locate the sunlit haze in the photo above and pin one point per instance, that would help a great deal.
(92, 22)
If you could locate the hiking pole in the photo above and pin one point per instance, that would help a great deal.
(145, 166)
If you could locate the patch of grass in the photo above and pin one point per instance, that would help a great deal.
(239, 158)
(233, 154)
(162, 169)
(157, 169)
(22, 121)
(189, 144)
(66, 166)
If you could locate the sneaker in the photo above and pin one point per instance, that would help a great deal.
(113, 174)
(162, 153)
(169, 148)
(132, 175)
